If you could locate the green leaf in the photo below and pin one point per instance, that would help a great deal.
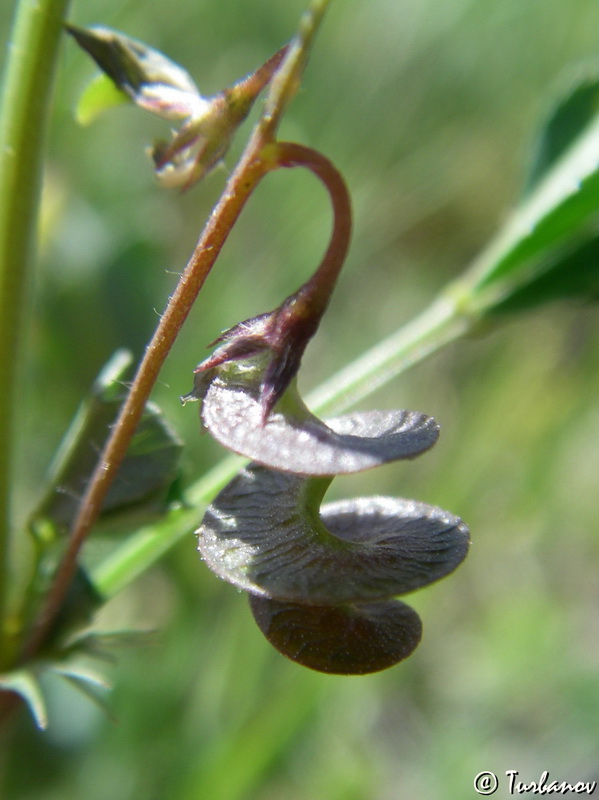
(148, 471)
(87, 679)
(83, 673)
(570, 273)
(100, 645)
(89, 689)
(144, 74)
(567, 117)
(26, 684)
(98, 96)
(563, 202)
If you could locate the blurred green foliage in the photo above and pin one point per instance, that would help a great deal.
(428, 108)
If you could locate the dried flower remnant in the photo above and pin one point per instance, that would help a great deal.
(158, 85)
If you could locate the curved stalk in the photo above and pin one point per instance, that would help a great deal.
(321, 284)
(254, 164)
(286, 331)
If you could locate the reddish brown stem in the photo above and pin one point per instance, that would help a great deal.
(286, 330)
(241, 184)
(258, 161)
(255, 163)
(320, 286)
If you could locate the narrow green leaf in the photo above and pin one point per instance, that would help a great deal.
(89, 689)
(570, 273)
(567, 118)
(100, 645)
(149, 469)
(563, 202)
(98, 96)
(26, 684)
(83, 673)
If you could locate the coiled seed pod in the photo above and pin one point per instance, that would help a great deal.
(322, 581)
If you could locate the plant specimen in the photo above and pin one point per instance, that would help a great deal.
(322, 582)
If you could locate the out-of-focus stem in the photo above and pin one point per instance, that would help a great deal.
(438, 325)
(23, 113)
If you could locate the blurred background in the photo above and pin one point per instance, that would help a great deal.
(429, 109)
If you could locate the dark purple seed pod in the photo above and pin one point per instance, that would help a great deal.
(265, 533)
(322, 580)
(341, 640)
(294, 440)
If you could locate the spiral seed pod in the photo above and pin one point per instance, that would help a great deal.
(293, 440)
(265, 534)
(322, 580)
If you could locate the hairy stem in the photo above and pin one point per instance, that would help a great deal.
(243, 181)
(23, 113)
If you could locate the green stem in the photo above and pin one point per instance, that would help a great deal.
(23, 114)
(288, 78)
(441, 323)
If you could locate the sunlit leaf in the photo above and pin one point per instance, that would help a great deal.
(98, 96)
(562, 203)
(25, 683)
(566, 119)
(570, 273)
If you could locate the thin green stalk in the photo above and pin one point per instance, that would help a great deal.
(23, 114)
(287, 80)
(441, 323)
